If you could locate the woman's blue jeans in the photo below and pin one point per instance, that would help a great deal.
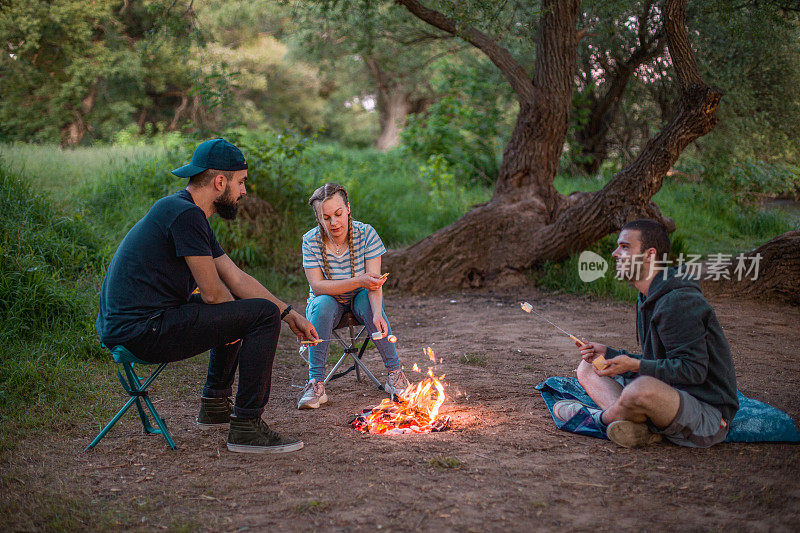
(324, 312)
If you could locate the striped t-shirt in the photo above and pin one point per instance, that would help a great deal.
(366, 245)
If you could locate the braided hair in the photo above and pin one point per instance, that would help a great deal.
(329, 190)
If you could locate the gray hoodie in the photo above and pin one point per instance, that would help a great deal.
(683, 343)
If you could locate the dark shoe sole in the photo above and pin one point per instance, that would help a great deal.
(631, 434)
(284, 448)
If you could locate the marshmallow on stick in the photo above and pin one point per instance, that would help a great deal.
(599, 362)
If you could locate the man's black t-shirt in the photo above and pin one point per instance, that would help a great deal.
(148, 272)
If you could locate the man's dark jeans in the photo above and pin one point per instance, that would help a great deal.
(191, 329)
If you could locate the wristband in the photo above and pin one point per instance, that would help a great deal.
(286, 312)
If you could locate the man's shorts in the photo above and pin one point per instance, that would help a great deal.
(697, 424)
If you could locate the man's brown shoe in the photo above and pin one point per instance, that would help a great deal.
(631, 434)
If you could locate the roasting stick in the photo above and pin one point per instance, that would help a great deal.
(390, 338)
(599, 361)
(375, 336)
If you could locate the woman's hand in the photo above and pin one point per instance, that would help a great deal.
(371, 282)
(381, 325)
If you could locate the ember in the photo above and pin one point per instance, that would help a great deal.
(415, 411)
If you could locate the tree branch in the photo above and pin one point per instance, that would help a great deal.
(680, 50)
(510, 68)
(628, 195)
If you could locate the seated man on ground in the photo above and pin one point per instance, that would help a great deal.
(683, 385)
(147, 305)
(342, 261)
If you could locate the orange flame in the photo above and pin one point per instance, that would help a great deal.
(415, 411)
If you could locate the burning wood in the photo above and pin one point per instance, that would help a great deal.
(415, 411)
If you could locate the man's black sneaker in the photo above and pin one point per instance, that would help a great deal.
(214, 412)
(253, 435)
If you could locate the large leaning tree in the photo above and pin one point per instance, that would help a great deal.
(527, 221)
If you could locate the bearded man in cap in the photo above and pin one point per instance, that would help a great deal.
(147, 303)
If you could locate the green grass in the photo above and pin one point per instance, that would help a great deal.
(48, 295)
(473, 359)
(442, 462)
(311, 507)
(54, 171)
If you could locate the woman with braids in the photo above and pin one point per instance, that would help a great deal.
(342, 261)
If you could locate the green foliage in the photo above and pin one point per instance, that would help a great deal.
(274, 160)
(391, 191)
(468, 125)
(750, 51)
(86, 64)
(366, 52)
(755, 179)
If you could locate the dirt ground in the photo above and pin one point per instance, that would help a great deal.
(503, 466)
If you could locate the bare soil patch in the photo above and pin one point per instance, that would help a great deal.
(503, 466)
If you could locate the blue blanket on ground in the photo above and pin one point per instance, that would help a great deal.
(754, 422)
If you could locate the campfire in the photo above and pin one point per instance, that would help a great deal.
(415, 411)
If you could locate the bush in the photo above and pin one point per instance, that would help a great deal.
(463, 135)
(48, 257)
(48, 299)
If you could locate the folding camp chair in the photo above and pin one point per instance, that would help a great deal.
(136, 388)
(351, 348)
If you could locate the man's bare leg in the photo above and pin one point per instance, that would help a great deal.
(644, 398)
(604, 391)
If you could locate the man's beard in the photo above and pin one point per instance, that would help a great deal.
(227, 207)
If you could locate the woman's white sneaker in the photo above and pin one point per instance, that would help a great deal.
(313, 395)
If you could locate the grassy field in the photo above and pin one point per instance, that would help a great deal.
(63, 213)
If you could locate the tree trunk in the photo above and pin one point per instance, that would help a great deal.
(72, 134)
(393, 109)
(394, 104)
(178, 113)
(527, 222)
(778, 271)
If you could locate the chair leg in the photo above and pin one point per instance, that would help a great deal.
(135, 383)
(360, 364)
(111, 423)
(352, 346)
(161, 424)
(335, 367)
(138, 392)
